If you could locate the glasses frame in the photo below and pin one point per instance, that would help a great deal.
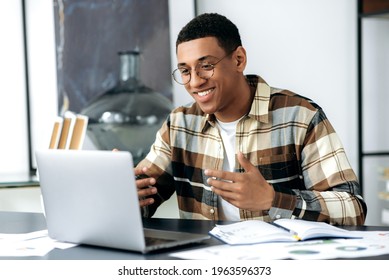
(211, 65)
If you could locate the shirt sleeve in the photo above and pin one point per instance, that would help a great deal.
(158, 162)
(332, 192)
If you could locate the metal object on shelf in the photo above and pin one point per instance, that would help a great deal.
(128, 116)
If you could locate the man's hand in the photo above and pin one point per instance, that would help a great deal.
(248, 190)
(145, 187)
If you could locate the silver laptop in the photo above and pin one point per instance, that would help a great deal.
(90, 197)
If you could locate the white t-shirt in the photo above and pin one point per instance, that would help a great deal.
(228, 211)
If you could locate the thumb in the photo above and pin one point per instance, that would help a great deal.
(246, 164)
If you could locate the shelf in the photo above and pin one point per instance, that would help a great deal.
(366, 9)
(375, 153)
(383, 15)
(374, 7)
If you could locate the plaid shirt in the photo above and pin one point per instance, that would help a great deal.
(287, 136)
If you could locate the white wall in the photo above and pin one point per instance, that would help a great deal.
(14, 154)
(180, 13)
(13, 117)
(42, 70)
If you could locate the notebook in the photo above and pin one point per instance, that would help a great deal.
(90, 197)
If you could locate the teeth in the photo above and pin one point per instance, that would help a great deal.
(204, 93)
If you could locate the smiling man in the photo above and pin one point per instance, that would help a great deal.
(242, 149)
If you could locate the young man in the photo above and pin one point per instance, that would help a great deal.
(242, 149)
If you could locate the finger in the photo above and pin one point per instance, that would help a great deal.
(220, 175)
(145, 183)
(147, 191)
(145, 202)
(228, 196)
(213, 182)
(141, 171)
(246, 164)
(220, 184)
(142, 179)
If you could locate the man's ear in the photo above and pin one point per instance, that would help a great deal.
(240, 58)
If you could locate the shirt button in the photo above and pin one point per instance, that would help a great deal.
(278, 216)
(212, 211)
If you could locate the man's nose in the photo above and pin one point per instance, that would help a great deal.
(196, 80)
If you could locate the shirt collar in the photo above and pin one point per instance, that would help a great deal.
(260, 106)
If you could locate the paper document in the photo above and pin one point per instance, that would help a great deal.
(36, 243)
(282, 230)
(373, 243)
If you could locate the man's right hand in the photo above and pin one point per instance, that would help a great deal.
(145, 186)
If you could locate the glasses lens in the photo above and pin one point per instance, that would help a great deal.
(205, 70)
(181, 76)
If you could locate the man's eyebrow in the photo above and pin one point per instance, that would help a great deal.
(198, 60)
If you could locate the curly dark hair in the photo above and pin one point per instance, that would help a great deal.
(211, 25)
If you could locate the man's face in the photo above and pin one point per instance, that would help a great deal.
(218, 94)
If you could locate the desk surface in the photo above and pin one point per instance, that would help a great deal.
(19, 222)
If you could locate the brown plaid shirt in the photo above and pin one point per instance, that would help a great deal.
(287, 136)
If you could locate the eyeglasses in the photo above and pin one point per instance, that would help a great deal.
(203, 69)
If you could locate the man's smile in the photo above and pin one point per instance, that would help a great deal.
(205, 92)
